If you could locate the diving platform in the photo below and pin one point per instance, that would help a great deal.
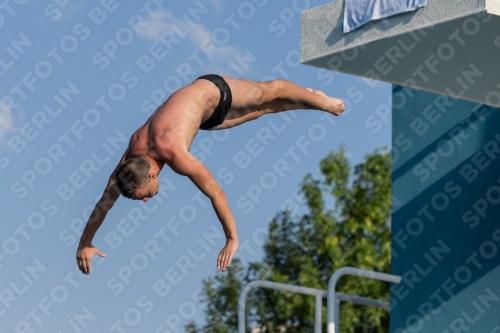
(447, 47)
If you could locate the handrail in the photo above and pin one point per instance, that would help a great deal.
(333, 302)
(318, 293)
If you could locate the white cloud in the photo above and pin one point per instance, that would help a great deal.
(162, 21)
(201, 34)
(72, 10)
(218, 4)
(6, 121)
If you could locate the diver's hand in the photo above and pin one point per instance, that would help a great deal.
(226, 254)
(83, 256)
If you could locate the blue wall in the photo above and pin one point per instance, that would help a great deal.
(446, 214)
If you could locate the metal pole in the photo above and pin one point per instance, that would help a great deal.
(333, 298)
(319, 293)
(241, 308)
(317, 314)
(363, 301)
(336, 321)
(332, 312)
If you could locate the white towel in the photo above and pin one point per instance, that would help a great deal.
(360, 12)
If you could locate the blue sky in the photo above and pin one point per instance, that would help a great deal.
(77, 80)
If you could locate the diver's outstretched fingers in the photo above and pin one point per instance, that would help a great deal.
(310, 89)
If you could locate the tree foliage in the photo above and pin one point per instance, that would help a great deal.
(346, 224)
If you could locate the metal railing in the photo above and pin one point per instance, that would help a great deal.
(318, 293)
(333, 298)
(333, 303)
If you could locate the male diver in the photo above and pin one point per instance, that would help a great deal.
(211, 102)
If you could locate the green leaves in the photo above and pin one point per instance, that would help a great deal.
(306, 250)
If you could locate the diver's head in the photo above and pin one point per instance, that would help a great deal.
(136, 179)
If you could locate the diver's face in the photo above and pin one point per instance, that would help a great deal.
(148, 191)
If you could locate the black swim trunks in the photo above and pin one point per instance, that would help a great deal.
(225, 100)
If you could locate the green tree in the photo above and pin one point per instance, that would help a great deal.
(346, 224)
